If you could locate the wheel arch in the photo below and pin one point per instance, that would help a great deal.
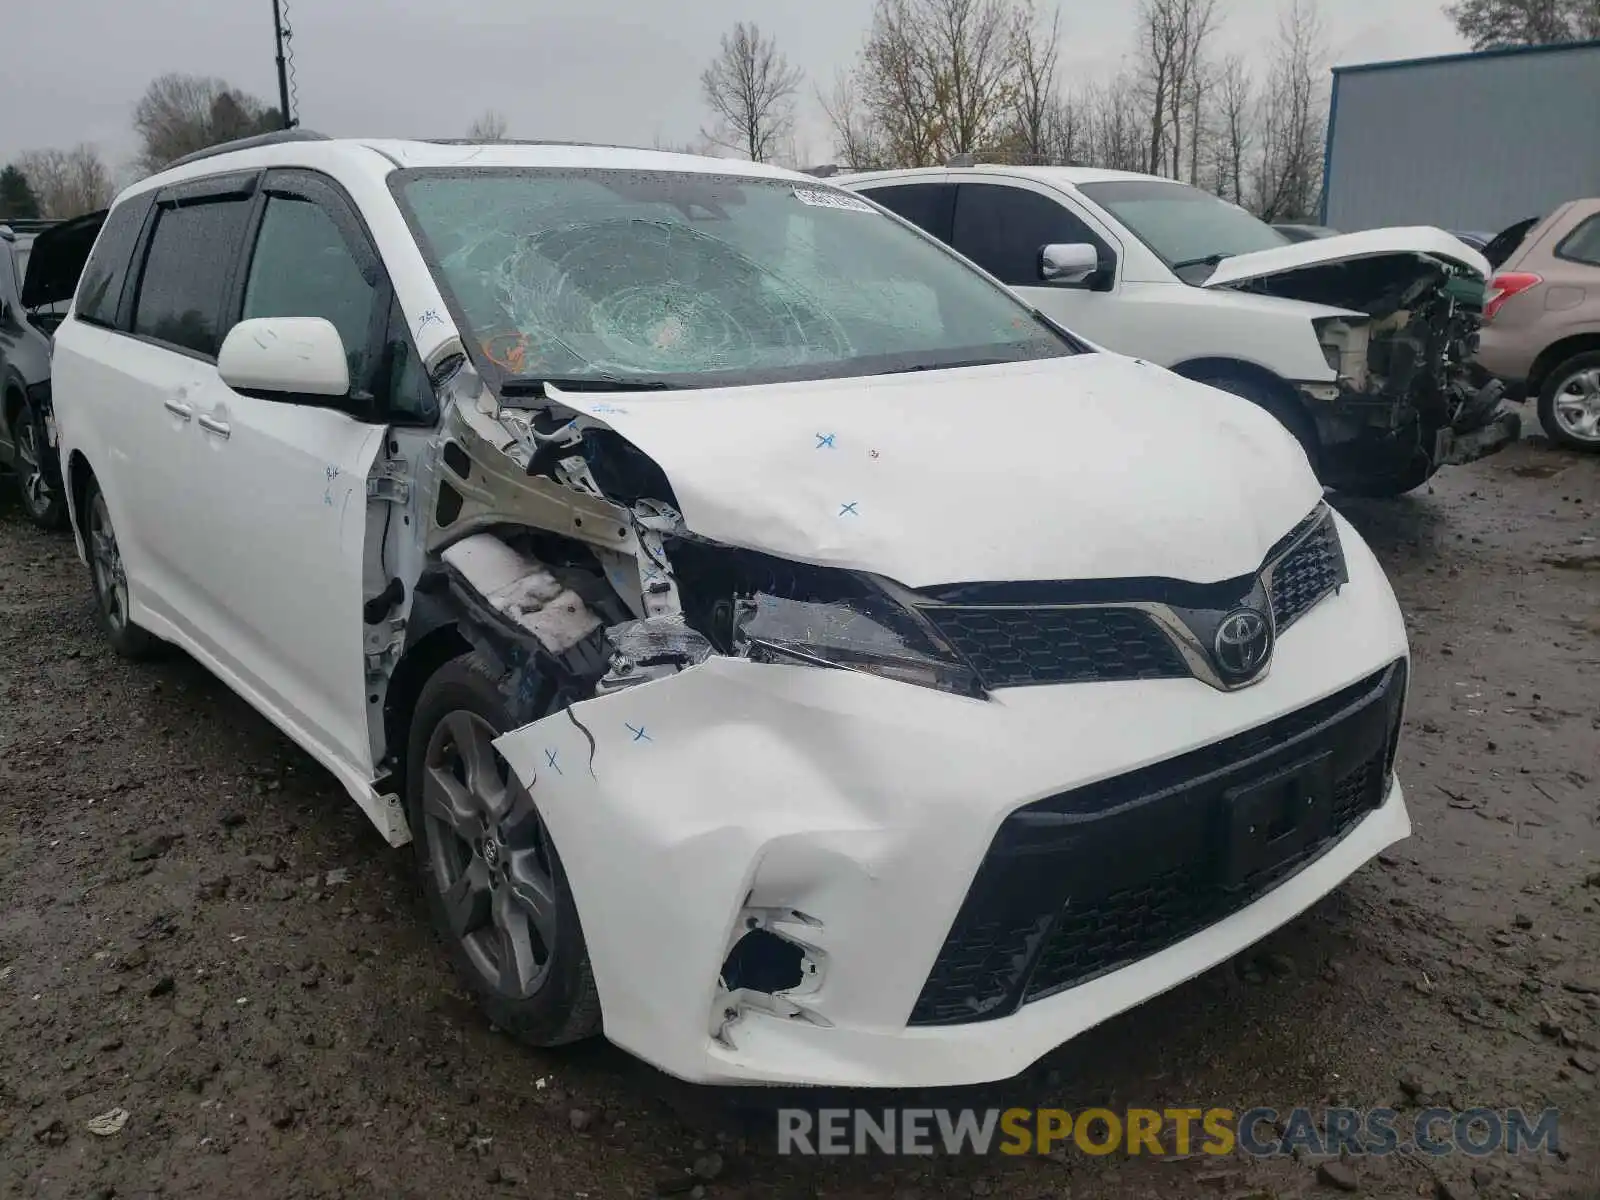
(434, 640)
(78, 473)
(1557, 353)
(1284, 396)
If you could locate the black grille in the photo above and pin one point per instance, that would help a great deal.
(1082, 883)
(1306, 574)
(1012, 647)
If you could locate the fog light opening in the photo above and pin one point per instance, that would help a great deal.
(761, 961)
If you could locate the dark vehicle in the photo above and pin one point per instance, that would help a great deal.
(1304, 233)
(39, 266)
(1477, 239)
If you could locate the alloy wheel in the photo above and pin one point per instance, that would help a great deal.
(489, 853)
(1577, 405)
(105, 562)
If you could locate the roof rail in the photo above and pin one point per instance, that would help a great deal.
(249, 143)
(962, 160)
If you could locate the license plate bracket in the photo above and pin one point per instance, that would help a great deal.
(1275, 820)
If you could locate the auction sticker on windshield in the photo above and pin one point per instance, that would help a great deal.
(821, 199)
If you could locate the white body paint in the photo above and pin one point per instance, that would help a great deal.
(865, 803)
(868, 805)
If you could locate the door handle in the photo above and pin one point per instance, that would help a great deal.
(212, 425)
(182, 411)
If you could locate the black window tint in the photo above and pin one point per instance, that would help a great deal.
(185, 280)
(927, 205)
(302, 267)
(1002, 229)
(1582, 244)
(100, 289)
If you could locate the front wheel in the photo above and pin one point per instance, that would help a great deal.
(110, 579)
(37, 476)
(495, 886)
(1569, 403)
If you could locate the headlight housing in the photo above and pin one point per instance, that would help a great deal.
(771, 610)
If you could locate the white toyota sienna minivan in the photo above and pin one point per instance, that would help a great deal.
(787, 652)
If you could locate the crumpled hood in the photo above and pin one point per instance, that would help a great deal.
(1420, 241)
(1093, 466)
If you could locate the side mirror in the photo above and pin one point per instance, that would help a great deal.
(299, 360)
(1071, 264)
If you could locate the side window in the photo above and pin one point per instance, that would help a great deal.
(302, 267)
(185, 281)
(1002, 229)
(1582, 244)
(927, 205)
(100, 289)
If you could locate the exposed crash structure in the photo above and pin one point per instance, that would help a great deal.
(1408, 398)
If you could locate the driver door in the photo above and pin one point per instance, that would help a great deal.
(281, 488)
(1002, 226)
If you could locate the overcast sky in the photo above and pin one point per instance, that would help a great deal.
(605, 70)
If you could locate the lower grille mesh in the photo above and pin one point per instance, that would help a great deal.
(1080, 884)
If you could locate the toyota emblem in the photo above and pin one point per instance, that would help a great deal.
(1243, 643)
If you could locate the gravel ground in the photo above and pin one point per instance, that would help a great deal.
(197, 927)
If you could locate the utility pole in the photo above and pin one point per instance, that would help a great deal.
(283, 72)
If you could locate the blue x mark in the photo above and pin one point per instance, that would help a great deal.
(639, 735)
(550, 759)
(824, 439)
(849, 508)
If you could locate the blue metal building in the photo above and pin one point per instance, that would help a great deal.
(1464, 141)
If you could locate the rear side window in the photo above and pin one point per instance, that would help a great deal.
(1002, 229)
(1582, 244)
(926, 205)
(100, 289)
(185, 281)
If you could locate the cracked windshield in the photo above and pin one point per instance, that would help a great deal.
(694, 280)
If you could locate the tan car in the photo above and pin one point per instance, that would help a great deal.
(1541, 331)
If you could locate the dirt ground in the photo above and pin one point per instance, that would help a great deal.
(197, 927)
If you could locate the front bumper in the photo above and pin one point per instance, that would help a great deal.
(850, 815)
(1453, 449)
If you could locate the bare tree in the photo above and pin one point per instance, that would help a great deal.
(68, 183)
(856, 140)
(1038, 110)
(179, 114)
(1293, 119)
(1230, 142)
(897, 88)
(750, 89)
(1487, 23)
(938, 78)
(488, 126)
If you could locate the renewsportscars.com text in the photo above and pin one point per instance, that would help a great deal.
(1257, 1132)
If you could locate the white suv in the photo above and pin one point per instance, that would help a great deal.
(1361, 343)
(781, 645)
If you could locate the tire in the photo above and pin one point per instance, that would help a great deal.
(496, 890)
(1569, 402)
(1263, 394)
(109, 580)
(38, 480)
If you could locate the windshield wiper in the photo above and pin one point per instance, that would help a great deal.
(532, 385)
(1209, 260)
(947, 366)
